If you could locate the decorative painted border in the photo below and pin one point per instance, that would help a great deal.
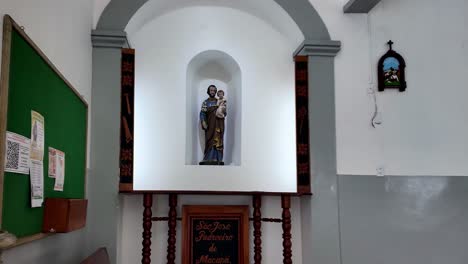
(127, 107)
(302, 124)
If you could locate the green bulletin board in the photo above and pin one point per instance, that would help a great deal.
(29, 81)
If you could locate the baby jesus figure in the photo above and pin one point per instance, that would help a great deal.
(222, 104)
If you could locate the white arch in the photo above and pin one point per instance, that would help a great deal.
(267, 10)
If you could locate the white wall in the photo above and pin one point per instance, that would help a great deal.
(424, 129)
(268, 125)
(272, 249)
(62, 30)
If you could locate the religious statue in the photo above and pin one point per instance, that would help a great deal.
(212, 115)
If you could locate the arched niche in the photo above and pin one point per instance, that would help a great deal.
(218, 68)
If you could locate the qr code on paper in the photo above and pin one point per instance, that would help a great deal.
(12, 155)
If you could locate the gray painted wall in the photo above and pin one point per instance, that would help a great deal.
(305, 15)
(56, 249)
(320, 225)
(417, 220)
(359, 6)
(103, 211)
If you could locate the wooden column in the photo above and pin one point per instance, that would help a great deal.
(147, 204)
(286, 215)
(257, 224)
(171, 234)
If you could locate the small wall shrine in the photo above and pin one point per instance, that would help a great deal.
(391, 70)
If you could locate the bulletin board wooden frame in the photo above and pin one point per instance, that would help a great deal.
(12, 31)
(215, 212)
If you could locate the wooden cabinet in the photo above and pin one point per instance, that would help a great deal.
(64, 215)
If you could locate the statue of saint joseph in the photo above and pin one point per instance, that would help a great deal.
(212, 116)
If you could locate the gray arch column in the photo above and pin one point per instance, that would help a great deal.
(320, 222)
(305, 15)
(103, 207)
(320, 215)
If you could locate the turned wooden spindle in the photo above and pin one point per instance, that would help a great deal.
(147, 204)
(286, 215)
(257, 224)
(171, 234)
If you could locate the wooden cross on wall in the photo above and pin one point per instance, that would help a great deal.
(390, 43)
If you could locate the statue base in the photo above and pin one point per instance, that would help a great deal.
(217, 163)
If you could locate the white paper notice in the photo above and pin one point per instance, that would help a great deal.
(37, 183)
(17, 153)
(52, 162)
(37, 136)
(59, 170)
(37, 156)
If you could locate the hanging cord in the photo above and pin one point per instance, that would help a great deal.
(376, 120)
(371, 76)
(376, 110)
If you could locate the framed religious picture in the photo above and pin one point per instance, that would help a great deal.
(391, 71)
(215, 234)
